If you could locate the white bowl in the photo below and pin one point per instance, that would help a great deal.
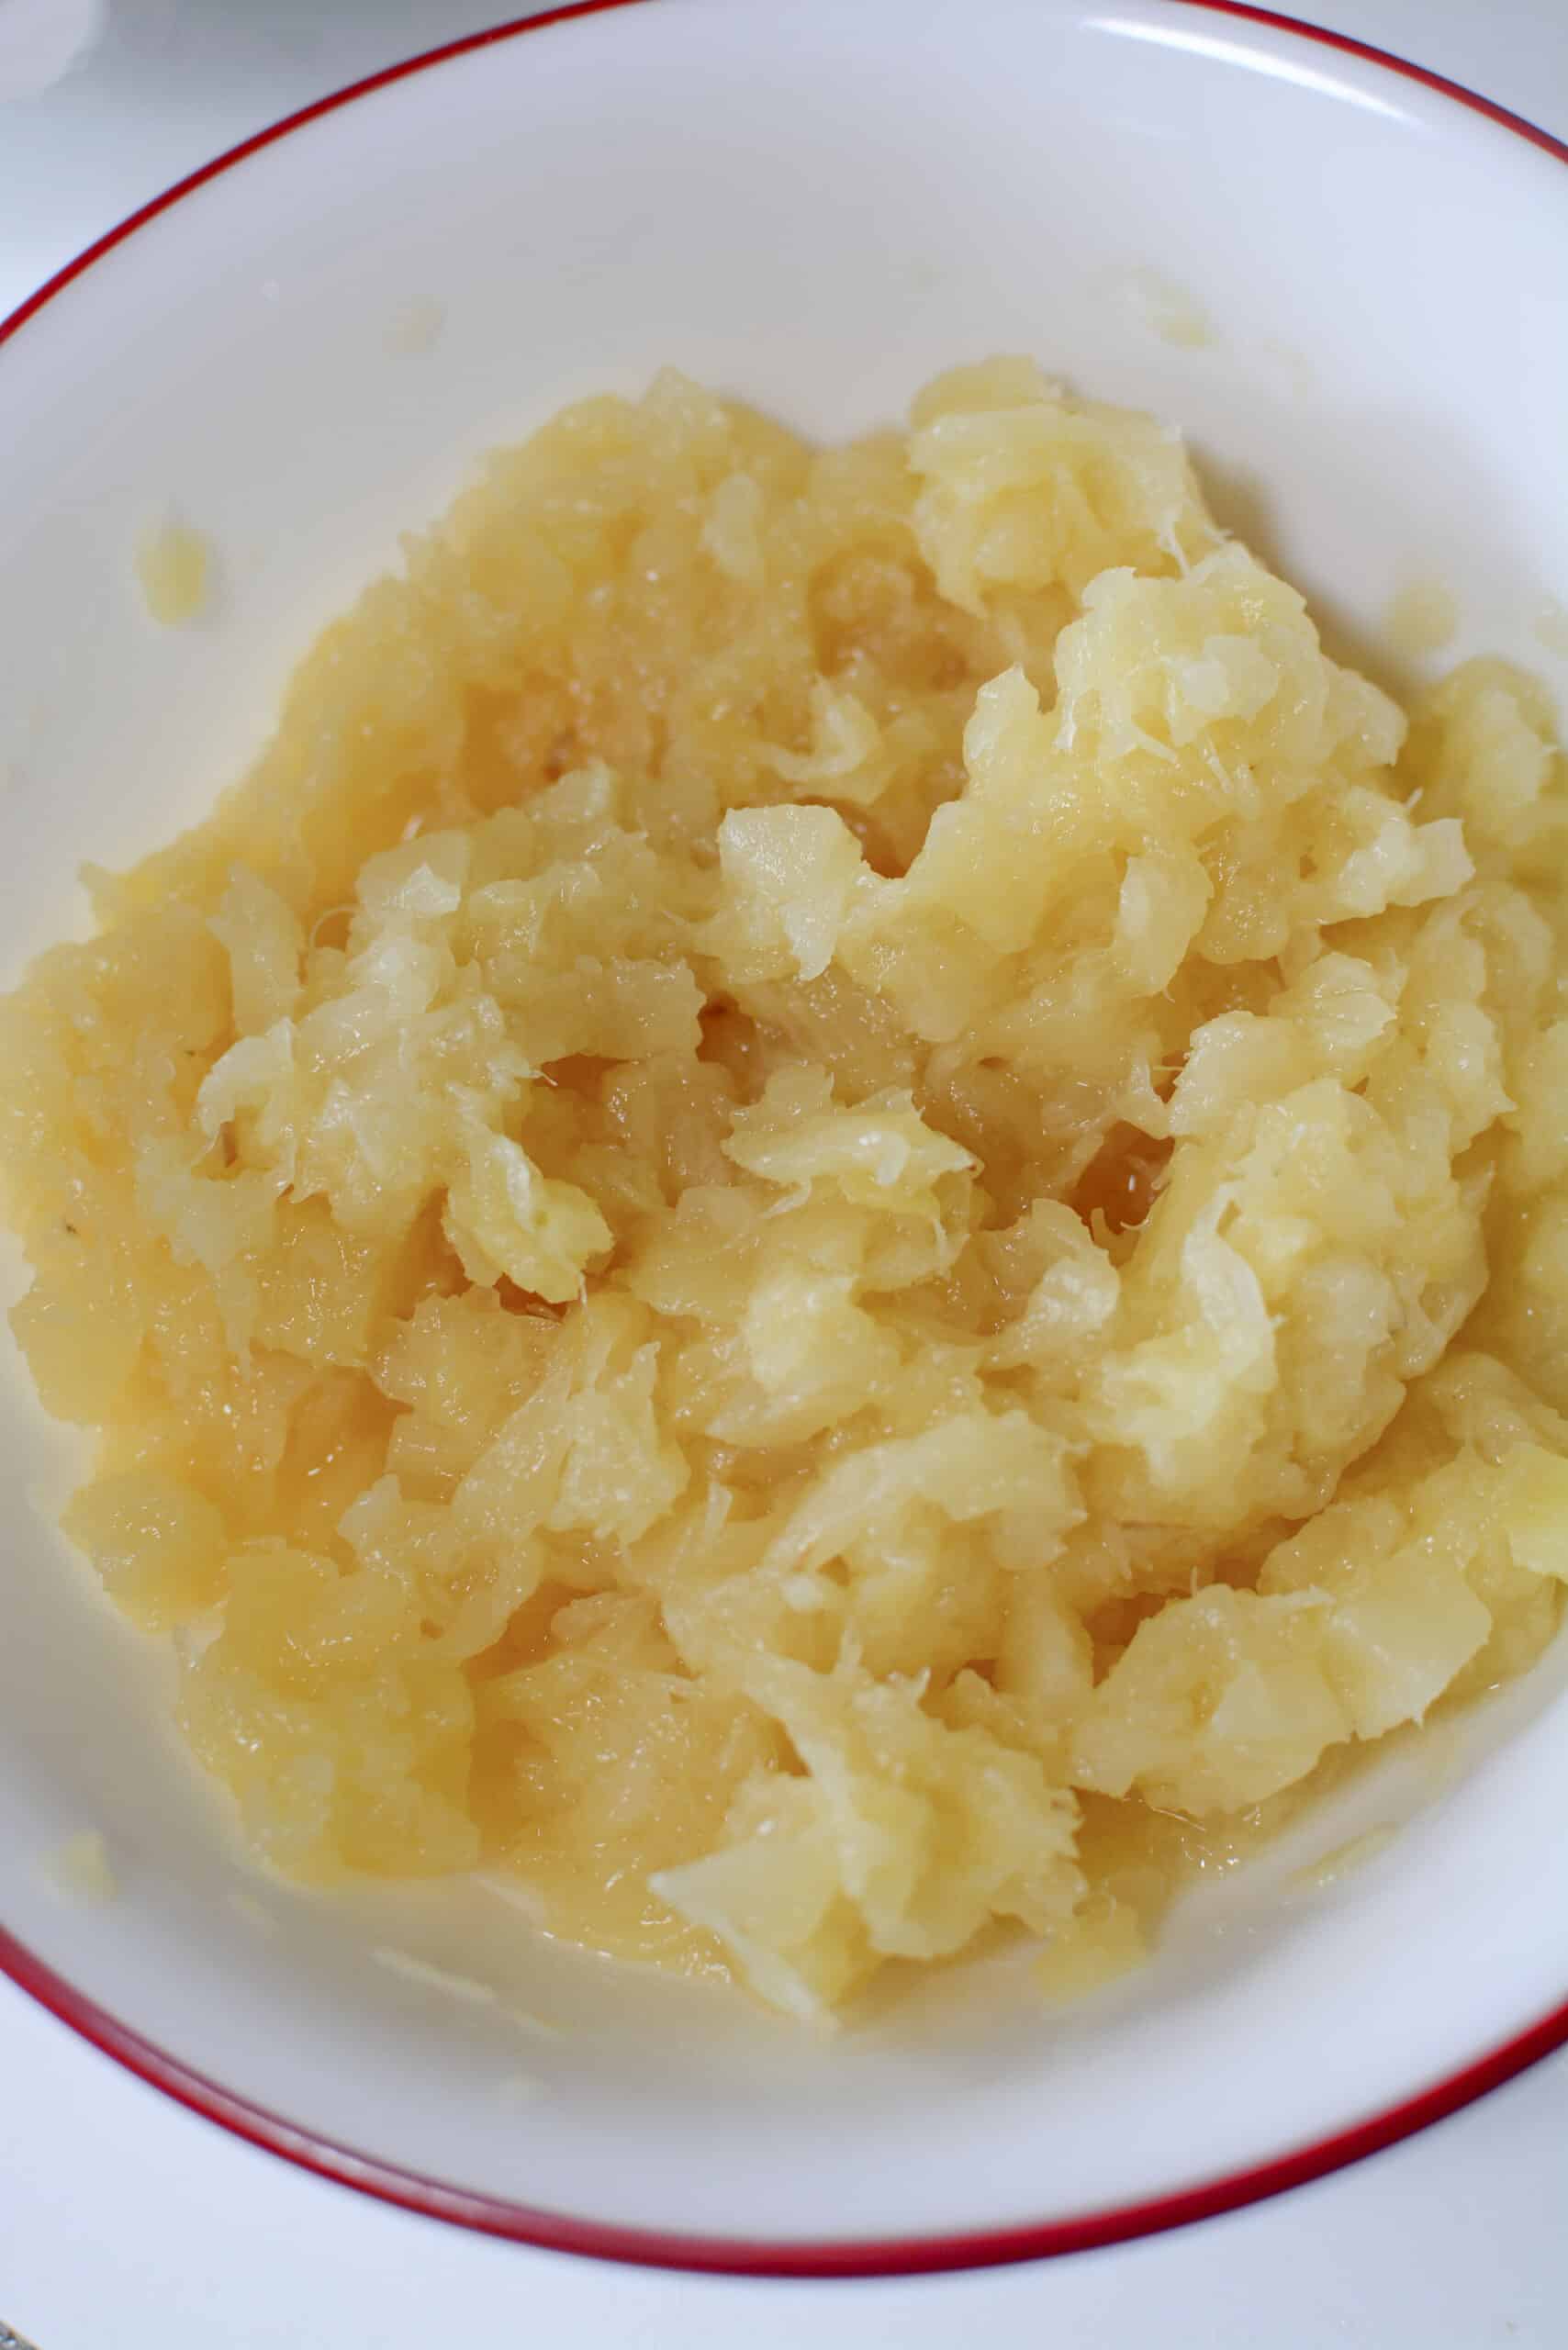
(817, 206)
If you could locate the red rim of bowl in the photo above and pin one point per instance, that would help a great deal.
(661, 2248)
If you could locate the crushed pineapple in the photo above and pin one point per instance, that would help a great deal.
(171, 567)
(81, 1869)
(839, 1181)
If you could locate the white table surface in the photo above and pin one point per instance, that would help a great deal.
(126, 2224)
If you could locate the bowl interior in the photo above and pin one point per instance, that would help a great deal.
(817, 208)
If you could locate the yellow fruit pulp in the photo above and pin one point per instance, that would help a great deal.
(838, 1182)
